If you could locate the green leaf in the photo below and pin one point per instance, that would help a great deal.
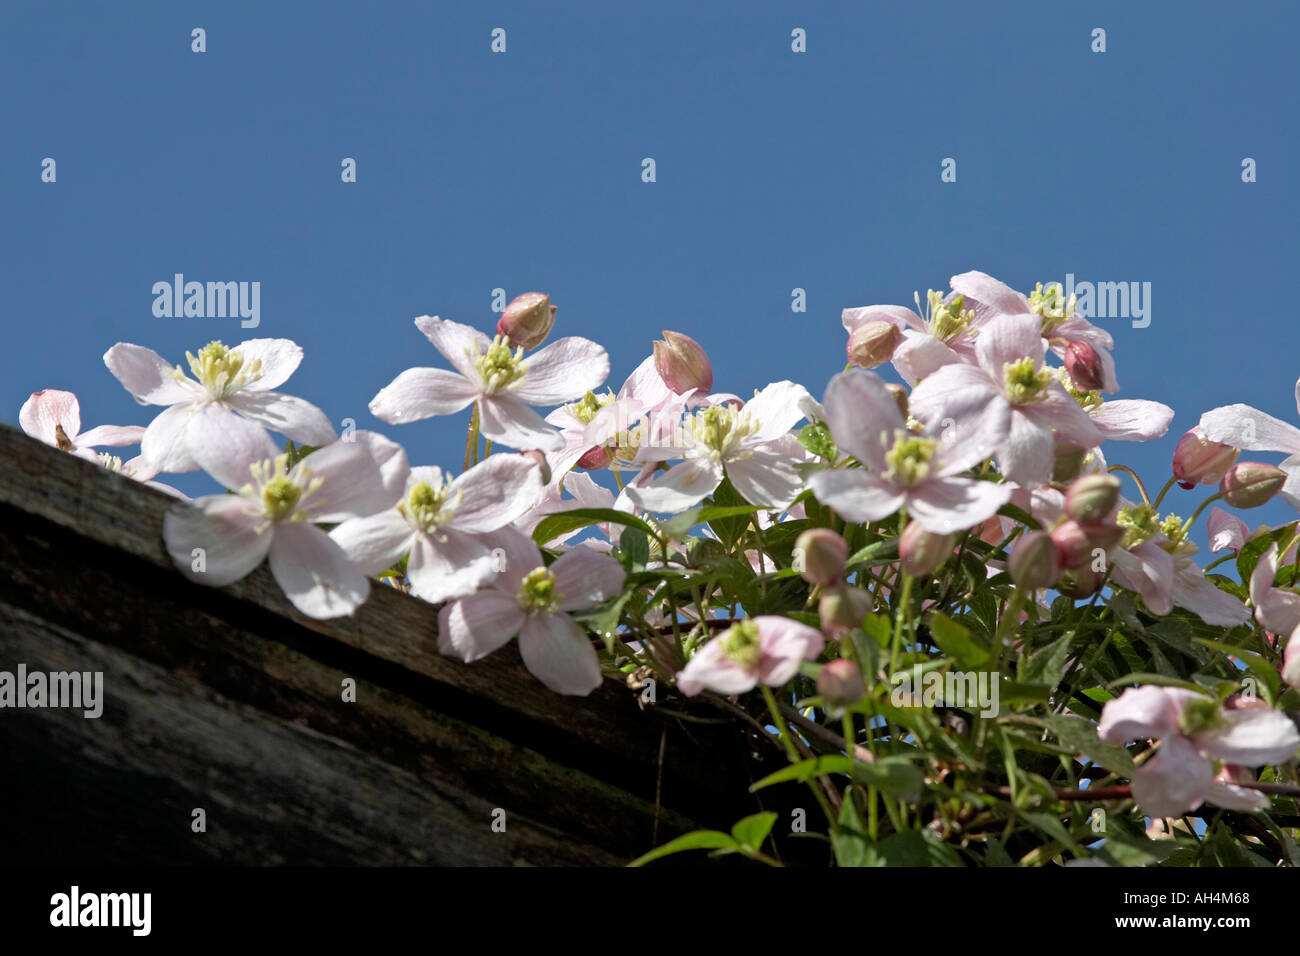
(697, 840)
(565, 521)
(635, 547)
(897, 776)
(728, 528)
(1047, 666)
(956, 642)
(753, 830)
(850, 840)
(1254, 549)
(1080, 736)
(679, 527)
(1054, 828)
(876, 626)
(912, 848)
(878, 552)
(1021, 515)
(1163, 680)
(807, 769)
(1257, 665)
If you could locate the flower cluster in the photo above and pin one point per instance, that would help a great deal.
(968, 632)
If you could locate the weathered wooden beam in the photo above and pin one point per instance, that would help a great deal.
(229, 700)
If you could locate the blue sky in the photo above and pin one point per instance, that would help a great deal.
(521, 170)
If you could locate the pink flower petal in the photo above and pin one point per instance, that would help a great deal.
(109, 436)
(506, 419)
(376, 542)
(767, 479)
(352, 485)
(1140, 712)
(1027, 455)
(166, 443)
(559, 654)
(785, 644)
(1008, 338)
(1132, 420)
(148, 376)
(1227, 532)
(497, 491)
(314, 573)
(448, 565)
(479, 624)
(420, 393)
(279, 358)
(222, 528)
(46, 409)
(855, 494)
(900, 317)
(859, 410)
(292, 417)
(680, 487)
(1252, 737)
(584, 578)
(1174, 781)
(776, 410)
(920, 355)
(956, 393)
(1059, 411)
(984, 290)
(948, 505)
(459, 344)
(710, 669)
(223, 444)
(566, 369)
(1250, 429)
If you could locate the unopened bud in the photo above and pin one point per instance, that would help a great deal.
(1073, 549)
(1092, 497)
(840, 684)
(540, 458)
(900, 396)
(1067, 461)
(593, 458)
(1197, 460)
(921, 552)
(1084, 365)
(1080, 582)
(843, 608)
(1248, 484)
(872, 344)
(527, 320)
(1033, 562)
(682, 363)
(823, 554)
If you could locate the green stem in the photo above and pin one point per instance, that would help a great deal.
(1163, 491)
(471, 440)
(774, 709)
(1197, 513)
(1134, 475)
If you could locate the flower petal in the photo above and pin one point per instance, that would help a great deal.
(351, 484)
(279, 358)
(459, 344)
(148, 376)
(1027, 454)
(1132, 420)
(292, 417)
(566, 369)
(420, 393)
(314, 573)
(166, 441)
(900, 317)
(109, 436)
(785, 645)
(46, 409)
(995, 296)
(766, 478)
(224, 445)
(1259, 735)
(1174, 781)
(559, 654)
(479, 624)
(859, 410)
(584, 578)
(497, 491)
(221, 528)
(679, 488)
(449, 566)
(1250, 429)
(855, 494)
(948, 505)
(710, 669)
(1008, 338)
(506, 419)
(1140, 712)
(376, 542)
(776, 409)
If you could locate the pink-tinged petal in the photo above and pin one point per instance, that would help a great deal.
(1026, 456)
(709, 668)
(785, 644)
(1279, 611)
(1008, 338)
(947, 505)
(109, 436)
(1192, 590)
(420, 393)
(461, 345)
(859, 410)
(148, 376)
(1140, 712)
(1149, 570)
(1174, 781)
(1062, 413)
(141, 469)
(1250, 429)
(1261, 579)
(1132, 420)
(1227, 532)
(314, 573)
(279, 358)
(919, 355)
(1290, 492)
(222, 527)
(646, 387)
(680, 487)
(1259, 735)
(970, 439)
(292, 417)
(898, 316)
(776, 409)
(766, 478)
(559, 654)
(351, 484)
(394, 467)
(984, 290)
(506, 419)
(448, 565)
(1078, 329)
(584, 578)
(224, 445)
(954, 393)
(497, 491)
(855, 494)
(479, 624)
(564, 370)
(46, 409)
(374, 543)
(1235, 798)
(515, 555)
(1291, 659)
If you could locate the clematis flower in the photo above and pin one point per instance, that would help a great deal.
(1009, 374)
(274, 511)
(942, 337)
(1198, 738)
(503, 383)
(766, 649)
(901, 468)
(138, 469)
(439, 521)
(721, 441)
(529, 599)
(1249, 429)
(228, 383)
(54, 417)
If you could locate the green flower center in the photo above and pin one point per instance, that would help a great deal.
(1025, 382)
(720, 428)
(281, 496)
(1088, 401)
(909, 461)
(1049, 305)
(585, 409)
(221, 371)
(1140, 523)
(537, 592)
(1199, 715)
(740, 643)
(426, 506)
(498, 366)
(947, 320)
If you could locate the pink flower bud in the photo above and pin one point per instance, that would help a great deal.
(593, 458)
(1033, 562)
(1073, 549)
(1084, 365)
(1067, 461)
(843, 608)
(872, 344)
(682, 363)
(527, 320)
(1197, 460)
(921, 552)
(1248, 484)
(820, 554)
(900, 396)
(540, 458)
(1092, 497)
(1079, 583)
(840, 684)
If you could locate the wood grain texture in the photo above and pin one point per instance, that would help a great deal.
(230, 700)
